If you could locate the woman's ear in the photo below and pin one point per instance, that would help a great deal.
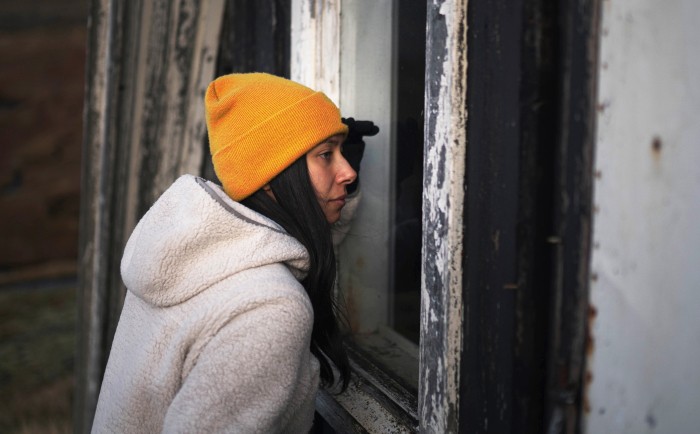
(268, 190)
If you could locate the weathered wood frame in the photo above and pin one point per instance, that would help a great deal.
(569, 338)
(528, 209)
(376, 404)
(507, 196)
(443, 212)
(147, 69)
(369, 404)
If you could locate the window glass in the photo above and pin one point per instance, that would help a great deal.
(382, 70)
(408, 176)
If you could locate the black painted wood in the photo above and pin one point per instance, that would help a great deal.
(538, 111)
(490, 262)
(578, 24)
(255, 37)
(530, 131)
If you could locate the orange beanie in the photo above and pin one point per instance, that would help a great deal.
(259, 124)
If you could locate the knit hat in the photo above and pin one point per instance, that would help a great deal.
(259, 124)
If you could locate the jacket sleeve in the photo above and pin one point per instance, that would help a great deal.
(251, 374)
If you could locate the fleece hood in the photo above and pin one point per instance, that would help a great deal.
(195, 236)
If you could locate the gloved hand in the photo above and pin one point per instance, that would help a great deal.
(354, 145)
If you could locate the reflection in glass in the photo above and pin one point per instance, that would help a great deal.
(382, 70)
(408, 186)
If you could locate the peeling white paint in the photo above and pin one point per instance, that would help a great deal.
(315, 52)
(206, 46)
(645, 279)
(443, 198)
(315, 62)
(116, 105)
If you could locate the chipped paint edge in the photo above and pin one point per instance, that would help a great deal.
(315, 45)
(103, 214)
(443, 210)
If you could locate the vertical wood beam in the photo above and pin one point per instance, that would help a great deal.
(105, 36)
(316, 36)
(492, 285)
(573, 211)
(255, 37)
(147, 71)
(443, 211)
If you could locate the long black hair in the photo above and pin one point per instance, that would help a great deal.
(296, 208)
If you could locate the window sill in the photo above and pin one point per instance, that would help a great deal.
(376, 401)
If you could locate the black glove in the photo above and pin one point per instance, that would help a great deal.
(354, 146)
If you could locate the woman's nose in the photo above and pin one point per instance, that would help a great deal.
(346, 174)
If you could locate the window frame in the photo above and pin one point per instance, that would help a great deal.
(315, 61)
(126, 133)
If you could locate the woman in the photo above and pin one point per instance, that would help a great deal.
(228, 324)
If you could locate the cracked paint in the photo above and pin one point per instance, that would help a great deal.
(443, 206)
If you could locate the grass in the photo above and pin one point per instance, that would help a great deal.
(37, 353)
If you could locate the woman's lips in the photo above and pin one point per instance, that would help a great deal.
(339, 200)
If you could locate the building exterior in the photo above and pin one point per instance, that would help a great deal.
(524, 258)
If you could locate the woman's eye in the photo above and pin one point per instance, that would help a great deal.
(326, 155)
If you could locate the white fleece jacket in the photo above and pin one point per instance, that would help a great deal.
(215, 331)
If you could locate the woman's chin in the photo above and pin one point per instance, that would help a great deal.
(332, 216)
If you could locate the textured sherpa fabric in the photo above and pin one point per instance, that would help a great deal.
(215, 331)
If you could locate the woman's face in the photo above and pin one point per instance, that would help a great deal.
(330, 173)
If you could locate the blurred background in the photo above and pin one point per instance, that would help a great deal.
(42, 59)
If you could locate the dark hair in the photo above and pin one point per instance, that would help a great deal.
(297, 210)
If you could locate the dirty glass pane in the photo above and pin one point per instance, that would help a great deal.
(382, 79)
